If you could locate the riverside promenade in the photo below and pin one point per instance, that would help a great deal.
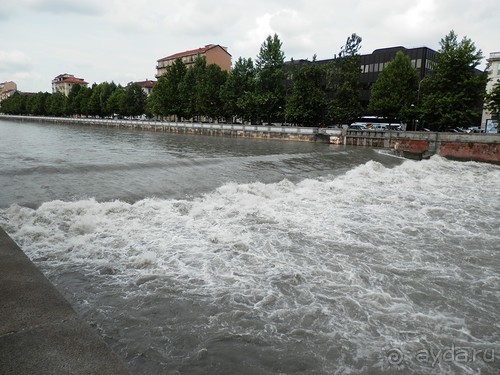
(40, 333)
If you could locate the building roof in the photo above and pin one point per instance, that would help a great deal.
(197, 51)
(73, 80)
(146, 84)
(69, 78)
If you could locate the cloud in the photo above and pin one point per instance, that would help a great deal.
(10, 8)
(13, 61)
(89, 7)
(118, 39)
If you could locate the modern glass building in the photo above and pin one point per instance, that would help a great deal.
(422, 59)
(372, 64)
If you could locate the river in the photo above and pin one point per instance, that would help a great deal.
(217, 255)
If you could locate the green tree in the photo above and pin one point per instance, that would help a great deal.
(453, 94)
(394, 94)
(270, 80)
(190, 89)
(157, 102)
(343, 83)
(238, 88)
(108, 88)
(307, 103)
(36, 104)
(113, 104)
(78, 98)
(14, 104)
(56, 104)
(133, 101)
(210, 90)
(94, 103)
(166, 98)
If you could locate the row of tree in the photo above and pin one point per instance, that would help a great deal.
(302, 92)
(100, 100)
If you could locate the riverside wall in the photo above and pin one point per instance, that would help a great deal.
(292, 133)
(40, 333)
(414, 145)
(420, 145)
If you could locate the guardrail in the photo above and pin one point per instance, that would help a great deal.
(160, 124)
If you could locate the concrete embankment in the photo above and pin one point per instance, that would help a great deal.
(40, 333)
(419, 145)
(291, 133)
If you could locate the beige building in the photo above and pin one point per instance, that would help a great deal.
(488, 123)
(213, 53)
(7, 89)
(63, 83)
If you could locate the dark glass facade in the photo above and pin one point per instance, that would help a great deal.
(372, 64)
(422, 59)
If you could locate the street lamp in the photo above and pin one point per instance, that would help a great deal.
(413, 116)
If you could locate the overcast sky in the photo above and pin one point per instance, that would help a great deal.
(121, 40)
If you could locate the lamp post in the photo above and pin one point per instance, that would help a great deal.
(418, 95)
(413, 116)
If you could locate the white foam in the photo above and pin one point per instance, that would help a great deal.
(359, 254)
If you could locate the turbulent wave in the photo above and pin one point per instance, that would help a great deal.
(328, 275)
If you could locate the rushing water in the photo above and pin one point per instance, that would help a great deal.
(201, 255)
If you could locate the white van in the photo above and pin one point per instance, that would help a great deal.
(379, 126)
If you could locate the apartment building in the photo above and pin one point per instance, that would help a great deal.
(63, 83)
(7, 89)
(489, 123)
(213, 54)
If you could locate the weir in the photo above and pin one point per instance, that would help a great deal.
(414, 145)
(40, 333)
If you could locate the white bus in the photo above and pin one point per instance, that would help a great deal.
(376, 123)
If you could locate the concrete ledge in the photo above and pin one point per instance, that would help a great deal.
(40, 333)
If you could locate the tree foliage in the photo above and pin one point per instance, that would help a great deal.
(394, 94)
(343, 83)
(270, 80)
(238, 91)
(133, 101)
(166, 97)
(453, 94)
(306, 104)
(303, 92)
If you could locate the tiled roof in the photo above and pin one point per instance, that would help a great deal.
(73, 80)
(197, 51)
(147, 84)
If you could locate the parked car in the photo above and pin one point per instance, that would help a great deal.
(379, 127)
(355, 126)
(397, 127)
(475, 129)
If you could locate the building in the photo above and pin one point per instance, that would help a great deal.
(372, 64)
(421, 58)
(63, 83)
(7, 89)
(146, 86)
(489, 122)
(213, 54)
